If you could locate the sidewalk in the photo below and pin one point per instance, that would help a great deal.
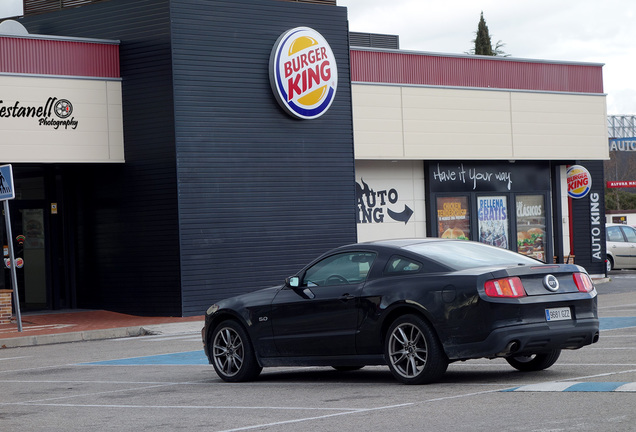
(72, 326)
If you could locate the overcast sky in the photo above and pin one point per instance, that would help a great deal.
(10, 8)
(595, 31)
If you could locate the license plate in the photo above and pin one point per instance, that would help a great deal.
(558, 314)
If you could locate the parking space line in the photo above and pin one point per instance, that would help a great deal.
(576, 387)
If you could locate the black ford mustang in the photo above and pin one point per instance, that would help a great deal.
(415, 305)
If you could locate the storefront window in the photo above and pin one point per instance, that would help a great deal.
(453, 217)
(493, 220)
(531, 226)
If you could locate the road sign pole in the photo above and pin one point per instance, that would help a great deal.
(14, 277)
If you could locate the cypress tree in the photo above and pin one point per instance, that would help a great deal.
(483, 45)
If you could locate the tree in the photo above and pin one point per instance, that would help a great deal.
(483, 44)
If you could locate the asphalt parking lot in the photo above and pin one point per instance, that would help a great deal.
(164, 383)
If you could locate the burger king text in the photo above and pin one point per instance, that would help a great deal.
(299, 83)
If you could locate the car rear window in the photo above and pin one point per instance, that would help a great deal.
(630, 234)
(460, 255)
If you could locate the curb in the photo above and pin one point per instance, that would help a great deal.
(89, 335)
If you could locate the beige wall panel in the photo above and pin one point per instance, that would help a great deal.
(458, 146)
(377, 125)
(80, 154)
(559, 126)
(93, 132)
(115, 121)
(439, 123)
(446, 123)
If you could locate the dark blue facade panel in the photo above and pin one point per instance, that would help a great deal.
(126, 220)
(260, 193)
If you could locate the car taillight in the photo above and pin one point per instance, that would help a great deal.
(583, 282)
(508, 287)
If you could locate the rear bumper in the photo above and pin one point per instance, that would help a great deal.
(529, 339)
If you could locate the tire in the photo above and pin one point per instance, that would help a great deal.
(535, 362)
(413, 352)
(232, 353)
(610, 264)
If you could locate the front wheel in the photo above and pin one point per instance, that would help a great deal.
(413, 352)
(535, 362)
(232, 353)
(609, 262)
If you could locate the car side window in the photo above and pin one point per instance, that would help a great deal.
(401, 265)
(630, 233)
(614, 234)
(340, 269)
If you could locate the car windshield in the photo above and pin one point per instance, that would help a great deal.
(460, 255)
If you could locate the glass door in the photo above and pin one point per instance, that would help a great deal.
(29, 245)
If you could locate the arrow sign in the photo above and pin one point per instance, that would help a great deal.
(404, 216)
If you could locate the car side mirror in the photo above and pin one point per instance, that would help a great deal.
(292, 281)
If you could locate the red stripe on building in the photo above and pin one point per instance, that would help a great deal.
(58, 57)
(472, 71)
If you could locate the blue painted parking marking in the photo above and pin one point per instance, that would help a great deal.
(617, 323)
(182, 358)
(577, 387)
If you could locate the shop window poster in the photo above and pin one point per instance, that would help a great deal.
(453, 217)
(492, 213)
(531, 226)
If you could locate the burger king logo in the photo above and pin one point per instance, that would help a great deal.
(303, 73)
(579, 181)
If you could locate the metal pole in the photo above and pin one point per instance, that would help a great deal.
(14, 277)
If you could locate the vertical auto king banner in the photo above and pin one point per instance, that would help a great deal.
(586, 191)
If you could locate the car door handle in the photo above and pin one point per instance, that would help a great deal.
(347, 297)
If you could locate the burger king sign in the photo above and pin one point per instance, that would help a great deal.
(303, 73)
(579, 181)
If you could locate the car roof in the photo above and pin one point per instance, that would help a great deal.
(404, 242)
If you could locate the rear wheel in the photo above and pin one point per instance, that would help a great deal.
(232, 353)
(413, 352)
(535, 362)
(610, 264)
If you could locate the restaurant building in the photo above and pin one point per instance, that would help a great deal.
(170, 153)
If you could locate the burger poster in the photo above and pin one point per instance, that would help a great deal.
(453, 217)
(493, 220)
(531, 226)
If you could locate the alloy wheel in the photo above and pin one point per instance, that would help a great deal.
(408, 351)
(228, 351)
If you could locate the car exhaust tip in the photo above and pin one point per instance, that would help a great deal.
(511, 348)
(595, 338)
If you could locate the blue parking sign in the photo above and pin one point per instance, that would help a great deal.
(7, 191)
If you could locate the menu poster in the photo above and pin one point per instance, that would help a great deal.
(453, 217)
(531, 226)
(493, 220)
